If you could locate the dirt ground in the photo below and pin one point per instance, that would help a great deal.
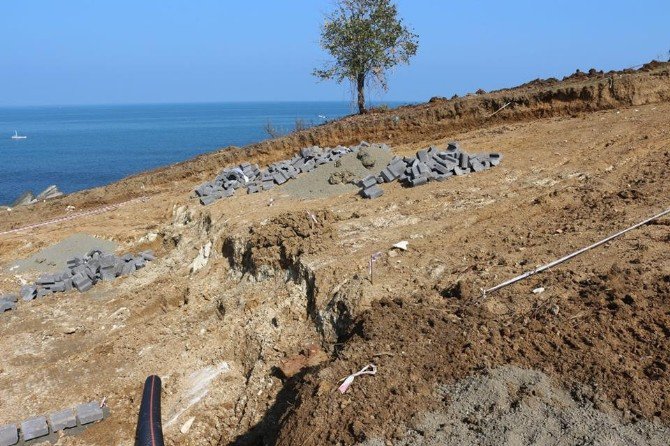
(252, 339)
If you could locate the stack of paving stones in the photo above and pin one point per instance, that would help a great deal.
(39, 427)
(429, 164)
(250, 177)
(84, 272)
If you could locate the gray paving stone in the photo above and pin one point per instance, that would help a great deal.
(34, 428)
(148, 255)
(89, 412)
(63, 419)
(207, 200)
(9, 435)
(7, 306)
(28, 292)
(418, 181)
(368, 181)
(495, 158)
(373, 192)
(9, 298)
(46, 279)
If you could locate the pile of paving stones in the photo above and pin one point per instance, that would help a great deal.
(82, 273)
(250, 177)
(428, 165)
(38, 427)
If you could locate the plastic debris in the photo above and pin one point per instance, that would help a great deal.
(369, 369)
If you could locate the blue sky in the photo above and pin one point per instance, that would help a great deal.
(153, 51)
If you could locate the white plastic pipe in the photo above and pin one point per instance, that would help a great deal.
(539, 269)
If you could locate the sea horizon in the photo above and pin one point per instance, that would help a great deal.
(78, 147)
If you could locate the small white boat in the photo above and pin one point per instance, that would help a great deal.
(17, 136)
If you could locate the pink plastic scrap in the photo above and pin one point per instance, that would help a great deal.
(369, 369)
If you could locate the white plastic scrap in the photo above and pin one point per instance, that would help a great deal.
(539, 290)
(401, 245)
(369, 369)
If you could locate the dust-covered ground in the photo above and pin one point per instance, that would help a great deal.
(258, 305)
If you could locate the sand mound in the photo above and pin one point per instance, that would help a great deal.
(516, 406)
(318, 183)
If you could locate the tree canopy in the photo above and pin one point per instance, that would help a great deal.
(365, 38)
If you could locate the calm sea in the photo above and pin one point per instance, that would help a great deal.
(79, 147)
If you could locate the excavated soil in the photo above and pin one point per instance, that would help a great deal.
(258, 305)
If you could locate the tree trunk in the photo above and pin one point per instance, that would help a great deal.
(361, 93)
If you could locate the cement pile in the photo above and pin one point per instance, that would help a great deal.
(509, 405)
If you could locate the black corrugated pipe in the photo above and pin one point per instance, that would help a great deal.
(149, 428)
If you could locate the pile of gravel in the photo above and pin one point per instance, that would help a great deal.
(513, 406)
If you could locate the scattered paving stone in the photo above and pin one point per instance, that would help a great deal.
(89, 412)
(9, 435)
(82, 274)
(34, 428)
(63, 419)
(430, 164)
(250, 177)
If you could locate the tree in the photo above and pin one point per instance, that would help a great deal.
(365, 38)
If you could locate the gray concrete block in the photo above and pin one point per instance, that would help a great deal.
(28, 292)
(34, 428)
(463, 161)
(68, 284)
(82, 283)
(107, 261)
(252, 189)
(440, 169)
(422, 155)
(46, 279)
(267, 185)
(453, 147)
(128, 268)
(495, 158)
(63, 419)
(387, 175)
(476, 165)
(423, 169)
(9, 435)
(279, 178)
(7, 306)
(372, 192)
(9, 298)
(207, 200)
(139, 263)
(89, 412)
(368, 181)
(418, 181)
(148, 255)
(42, 292)
(458, 171)
(396, 168)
